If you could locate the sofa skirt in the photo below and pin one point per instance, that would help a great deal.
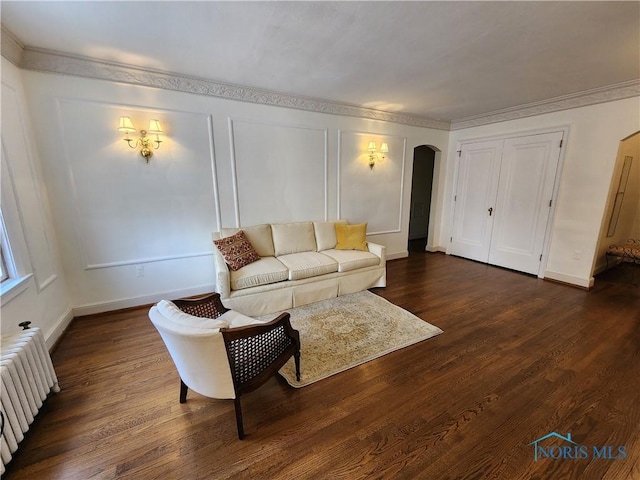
(282, 296)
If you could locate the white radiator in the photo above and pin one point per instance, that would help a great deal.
(27, 378)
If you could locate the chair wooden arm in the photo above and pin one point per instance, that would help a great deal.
(208, 306)
(257, 352)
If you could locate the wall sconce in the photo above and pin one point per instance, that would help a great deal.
(373, 156)
(144, 143)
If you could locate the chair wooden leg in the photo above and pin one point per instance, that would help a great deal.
(296, 359)
(183, 392)
(236, 402)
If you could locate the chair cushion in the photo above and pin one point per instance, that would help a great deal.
(258, 235)
(236, 319)
(326, 234)
(351, 237)
(237, 250)
(352, 259)
(172, 313)
(293, 238)
(264, 271)
(308, 264)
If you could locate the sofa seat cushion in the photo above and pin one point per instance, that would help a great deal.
(352, 259)
(264, 271)
(308, 264)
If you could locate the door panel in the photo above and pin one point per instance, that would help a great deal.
(476, 186)
(525, 189)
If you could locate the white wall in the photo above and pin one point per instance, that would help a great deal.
(594, 134)
(43, 299)
(222, 163)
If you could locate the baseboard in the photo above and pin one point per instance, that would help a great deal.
(139, 301)
(436, 249)
(606, 265)
(394, 256)
(569, 279)
(52, 337)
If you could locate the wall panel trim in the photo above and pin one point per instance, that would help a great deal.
(233, 157)
(137, 261)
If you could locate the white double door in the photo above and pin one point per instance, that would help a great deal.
(502, 199)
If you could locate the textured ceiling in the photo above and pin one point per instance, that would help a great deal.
(441, 60)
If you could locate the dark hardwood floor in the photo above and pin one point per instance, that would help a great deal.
(519, 358)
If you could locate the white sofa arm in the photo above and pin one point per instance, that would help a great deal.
(379, 251)
(223, 282)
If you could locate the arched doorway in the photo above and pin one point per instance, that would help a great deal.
(424, 157)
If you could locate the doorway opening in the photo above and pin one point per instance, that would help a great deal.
(616, 258)
(424, 157)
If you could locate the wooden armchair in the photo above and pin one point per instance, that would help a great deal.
(228, 361)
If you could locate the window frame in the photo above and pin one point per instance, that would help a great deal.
(13, 283)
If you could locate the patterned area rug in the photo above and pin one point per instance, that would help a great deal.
(343, 332)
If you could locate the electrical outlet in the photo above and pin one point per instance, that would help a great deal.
(139, 270)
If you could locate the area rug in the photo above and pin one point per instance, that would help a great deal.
(347, 331)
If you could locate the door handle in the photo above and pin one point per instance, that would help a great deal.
(490, 210)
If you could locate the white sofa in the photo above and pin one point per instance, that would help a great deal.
(298, 265)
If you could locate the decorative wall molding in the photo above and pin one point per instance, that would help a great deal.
(48, 61)
(30, 206)
(594, 96)
(92, 251)
(341, 183)
(55, 62)
(12, 48)
(232, 122)
(144, 260)
(214, 173)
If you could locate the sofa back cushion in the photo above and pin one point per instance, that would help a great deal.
(258, 235)
(293, 237)
(326, 234)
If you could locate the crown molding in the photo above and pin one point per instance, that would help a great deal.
(12, 48)
(56, 62)
(49, 61)
(610, 93)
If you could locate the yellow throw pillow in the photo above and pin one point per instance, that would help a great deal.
(351, 237)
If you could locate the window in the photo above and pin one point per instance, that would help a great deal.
(3, 267)
(12, 283)
(5, 252)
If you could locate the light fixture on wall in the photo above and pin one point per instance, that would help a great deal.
(373, 156)
(145, 144)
